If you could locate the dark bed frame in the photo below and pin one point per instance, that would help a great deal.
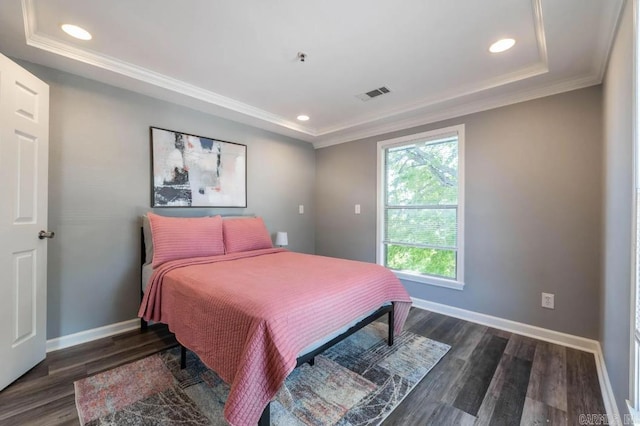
(265, 418)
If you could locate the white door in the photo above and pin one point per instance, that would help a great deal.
(24, 160)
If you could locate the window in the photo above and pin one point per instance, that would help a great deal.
(421, 206)
(634, 403)
(634, 374)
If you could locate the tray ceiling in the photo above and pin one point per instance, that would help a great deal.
(239, 60)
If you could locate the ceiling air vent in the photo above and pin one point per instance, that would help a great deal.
(373, 93)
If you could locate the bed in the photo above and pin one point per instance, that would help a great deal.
(252, 312)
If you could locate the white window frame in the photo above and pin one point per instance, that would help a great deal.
(633, 404)
(458, 283)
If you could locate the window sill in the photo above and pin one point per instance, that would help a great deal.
(438, 282)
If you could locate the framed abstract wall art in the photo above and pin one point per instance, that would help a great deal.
(195, 171)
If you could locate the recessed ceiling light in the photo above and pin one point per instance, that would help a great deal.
(76, 31)
(502, 45)
(303, 117)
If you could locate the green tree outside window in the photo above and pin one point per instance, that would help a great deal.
(421, 207)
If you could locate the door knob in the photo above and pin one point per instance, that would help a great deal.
(44, 234)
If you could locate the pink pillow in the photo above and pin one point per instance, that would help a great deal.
(183, 237)
(245, 234)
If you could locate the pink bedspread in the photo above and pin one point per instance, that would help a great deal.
(248, 315)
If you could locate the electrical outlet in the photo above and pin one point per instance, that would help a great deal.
(357, 209)
(548, 300)
(301, 209)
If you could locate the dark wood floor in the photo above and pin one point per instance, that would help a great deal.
(492, 377)
(489, 377)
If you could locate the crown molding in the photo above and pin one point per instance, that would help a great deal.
(29, 18)
(124, 68)
(606, 43)
(538, 25)
(485, 104)
(52, 45)
(532, 71)
(364, 126)
(536, 69)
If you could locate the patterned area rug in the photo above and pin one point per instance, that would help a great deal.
(357, 382)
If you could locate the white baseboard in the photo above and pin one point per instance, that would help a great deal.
(607, 391)
(93, 334)
(540, 333)
(564, 339)
(556, 337)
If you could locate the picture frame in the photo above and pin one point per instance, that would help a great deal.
(195, 171)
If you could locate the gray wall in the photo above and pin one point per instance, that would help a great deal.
(618, 209)
(99, 184)
(533, 210)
